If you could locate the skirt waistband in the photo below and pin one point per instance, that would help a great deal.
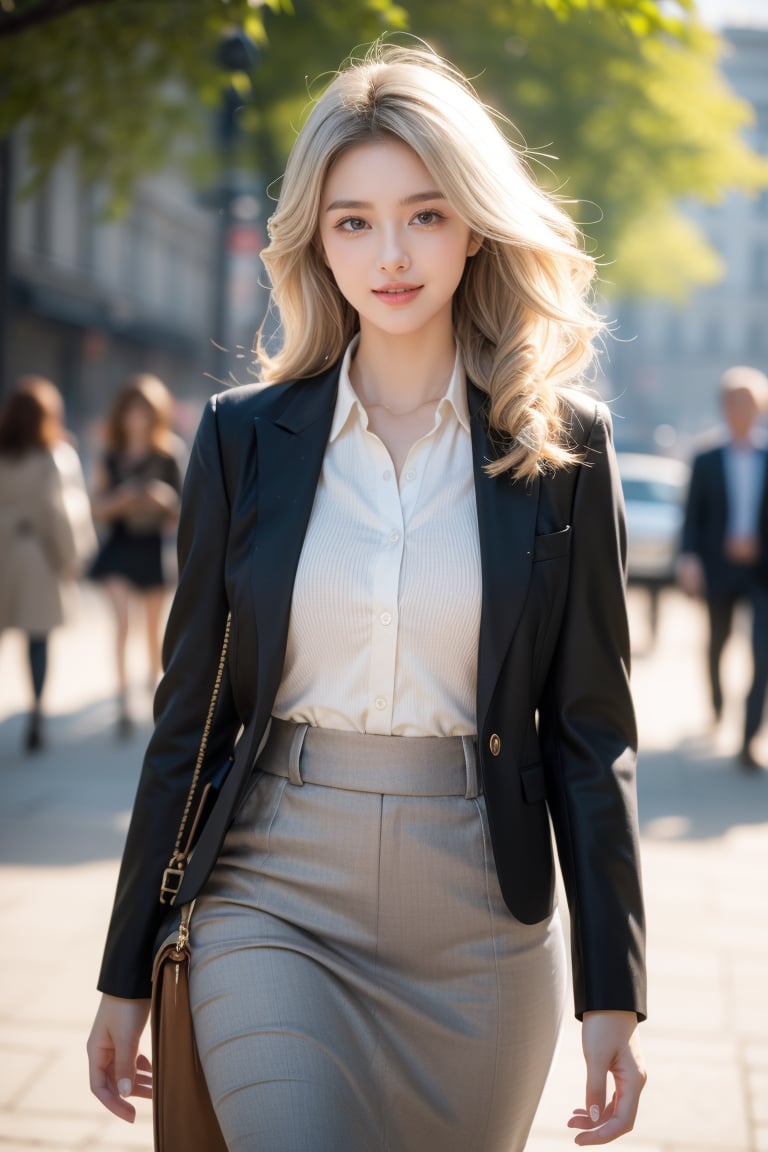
(358, 762)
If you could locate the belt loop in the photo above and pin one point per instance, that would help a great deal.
(294, 755)
(469, 744)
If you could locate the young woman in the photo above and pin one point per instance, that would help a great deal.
(136, 498)
(418, 532)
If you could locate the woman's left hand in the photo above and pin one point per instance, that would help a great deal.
(611, 1046)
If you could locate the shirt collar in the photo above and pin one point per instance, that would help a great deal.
(347, 402)
(456, 394)
(346, 398)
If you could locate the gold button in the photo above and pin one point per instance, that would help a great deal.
(494, 744)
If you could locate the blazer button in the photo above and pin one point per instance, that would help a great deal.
(494, 744)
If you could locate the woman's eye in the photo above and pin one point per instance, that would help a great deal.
(428, 216)
(352, 224)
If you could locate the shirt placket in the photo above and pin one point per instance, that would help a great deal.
(385, 582)
(397, 505)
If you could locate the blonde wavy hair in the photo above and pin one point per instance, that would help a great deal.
(522, 312)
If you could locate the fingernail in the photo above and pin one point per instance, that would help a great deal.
(124, 1087)
(594, 1113)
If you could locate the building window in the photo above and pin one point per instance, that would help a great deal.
(134, 236)
(758, 279)
(87, 228)
(756, 343)
(712, 342)
(674, 336)
(41, 220)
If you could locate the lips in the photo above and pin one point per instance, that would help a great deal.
(397, 293)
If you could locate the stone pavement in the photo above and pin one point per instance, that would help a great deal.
(63, 815)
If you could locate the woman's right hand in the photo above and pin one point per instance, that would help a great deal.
(116, 1068)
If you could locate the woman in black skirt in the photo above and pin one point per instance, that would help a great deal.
(136, 498)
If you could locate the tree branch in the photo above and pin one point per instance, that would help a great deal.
(13, 21)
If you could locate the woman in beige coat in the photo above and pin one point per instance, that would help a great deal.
(37, 540)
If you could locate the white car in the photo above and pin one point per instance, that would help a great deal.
(655, 489)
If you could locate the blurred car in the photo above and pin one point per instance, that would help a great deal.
(655, 488)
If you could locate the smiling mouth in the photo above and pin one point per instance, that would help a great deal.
(402, 290)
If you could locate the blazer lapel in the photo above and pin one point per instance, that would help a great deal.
(290, 451)
(506, 517)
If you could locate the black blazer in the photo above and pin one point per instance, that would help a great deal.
(706, 520)
(556, 728)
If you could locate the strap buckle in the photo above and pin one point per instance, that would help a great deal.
(172, 878)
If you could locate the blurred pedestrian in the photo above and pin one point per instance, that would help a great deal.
(724, 554)
(417, 530)
(77, 500)
(38, 538)
(136, 498)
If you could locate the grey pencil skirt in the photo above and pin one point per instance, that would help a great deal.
(358, 984)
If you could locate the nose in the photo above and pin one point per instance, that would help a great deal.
(392, 253)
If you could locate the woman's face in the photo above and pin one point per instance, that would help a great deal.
(138, 422)
(395, 246)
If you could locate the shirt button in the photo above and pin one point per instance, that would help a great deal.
(394, 537)
(386, 475)
(386, 617)
(380, 703)
(410, 474)
(494, 744)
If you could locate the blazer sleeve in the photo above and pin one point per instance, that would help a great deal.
(589, 742)
(191, 650)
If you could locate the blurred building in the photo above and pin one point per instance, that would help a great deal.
(92, 298)
(665, 378)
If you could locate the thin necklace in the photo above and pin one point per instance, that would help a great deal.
(405, 411)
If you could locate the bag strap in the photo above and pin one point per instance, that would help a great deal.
(174, 873)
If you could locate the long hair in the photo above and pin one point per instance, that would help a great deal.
(148, 390)
(32, 417)
(522, 313)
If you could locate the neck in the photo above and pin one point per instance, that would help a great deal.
(402, 374)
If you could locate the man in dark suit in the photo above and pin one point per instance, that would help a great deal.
(725, 540)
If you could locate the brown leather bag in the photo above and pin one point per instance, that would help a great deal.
(182, 1112)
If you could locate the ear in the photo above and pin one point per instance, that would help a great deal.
(475, 244)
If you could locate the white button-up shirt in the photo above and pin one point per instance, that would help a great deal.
(385, 614)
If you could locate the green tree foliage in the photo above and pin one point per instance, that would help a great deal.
(620, 101)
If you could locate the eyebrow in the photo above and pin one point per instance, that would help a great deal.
(416, 198)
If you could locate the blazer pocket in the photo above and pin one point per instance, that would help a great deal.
(534, 784)
(552, 544)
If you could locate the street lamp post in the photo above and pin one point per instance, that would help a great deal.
(236, 288)
(5, 262)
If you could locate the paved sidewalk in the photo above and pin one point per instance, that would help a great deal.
(63, 815)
